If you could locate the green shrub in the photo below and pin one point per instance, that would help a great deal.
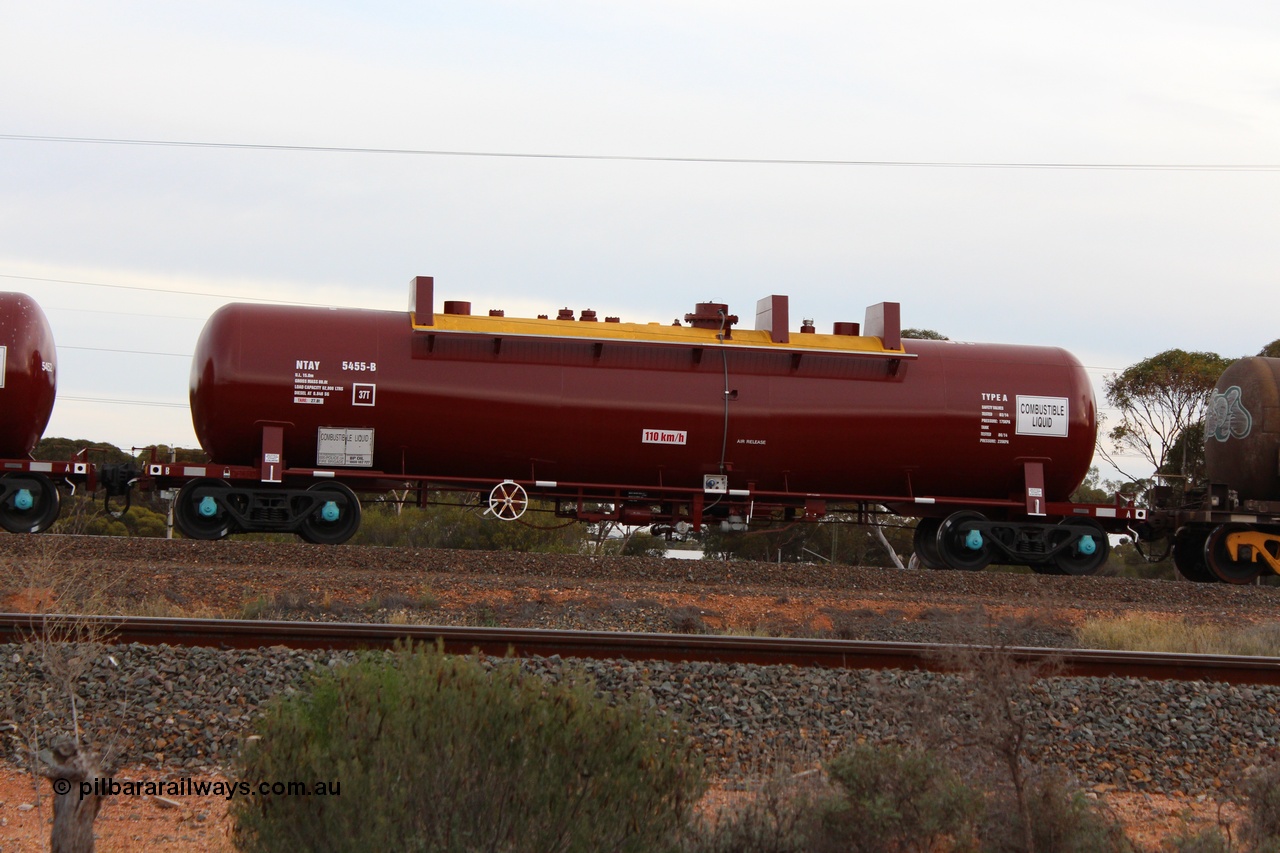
(1063, 820)
(880, 800)
(894, 800)
(82, 515)
(468, 528)
(1261, 829)
(1259, 832)
(778, 818)
(897, 799)
(641, 544)
(445, 753)
(1207, 840)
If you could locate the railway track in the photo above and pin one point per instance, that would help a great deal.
(804, 652)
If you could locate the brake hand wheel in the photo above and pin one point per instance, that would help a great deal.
(508, 500)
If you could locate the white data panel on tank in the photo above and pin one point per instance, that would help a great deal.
(339, 447)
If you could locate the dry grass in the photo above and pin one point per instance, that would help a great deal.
(167, 608)
(1143, 633)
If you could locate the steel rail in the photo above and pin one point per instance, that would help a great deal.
(526, 642)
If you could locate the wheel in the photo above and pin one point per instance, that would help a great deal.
(925, 542)
(31, 506)
(1088, 553)
(200, 512)
(508, 500)
(1219, 561)
(336, 516)
(1188, 554)
(961, 545)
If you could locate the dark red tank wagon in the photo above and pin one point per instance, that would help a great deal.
(28, 373)
(29, 498)
(476, 398)
(672, 425)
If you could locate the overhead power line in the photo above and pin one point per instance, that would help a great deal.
(640, 158)
(172, 290)
(127, 351)
(118, 401)
(97, 312)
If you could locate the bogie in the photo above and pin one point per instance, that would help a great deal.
(29, 503)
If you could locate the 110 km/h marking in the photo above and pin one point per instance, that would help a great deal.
(664, 436)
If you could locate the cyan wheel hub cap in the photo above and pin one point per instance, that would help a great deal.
(1087, 546)
(330, 512)
(973, 540)
(208, 506)
(23, 500)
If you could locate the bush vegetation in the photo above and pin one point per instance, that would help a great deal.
(444, 753)
(897, 799)
(876, 798)
(887, 798)
(1062, 820)
(836, 539)
(1261, 830)
(466, 527)
(1258, 832)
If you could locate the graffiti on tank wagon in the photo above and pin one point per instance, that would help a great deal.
(1226, 416)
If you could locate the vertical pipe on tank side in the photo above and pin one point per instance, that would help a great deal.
(724, 357)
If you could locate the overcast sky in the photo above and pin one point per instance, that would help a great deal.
(129, 248)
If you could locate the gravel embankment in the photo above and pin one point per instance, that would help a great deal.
(347, 580)
(190, 708)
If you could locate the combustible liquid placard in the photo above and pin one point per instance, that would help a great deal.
(1042, 416)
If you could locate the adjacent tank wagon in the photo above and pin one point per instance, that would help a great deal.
(1232, 533)
(1242, 430)
(28, 374)
(29, 498)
